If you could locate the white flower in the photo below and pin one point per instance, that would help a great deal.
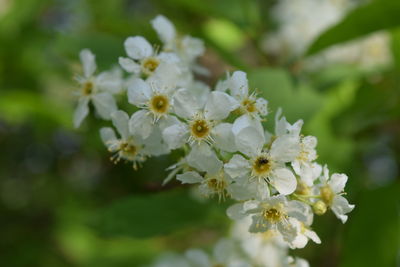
(264, 249)
(307, 176)
(305, 233)
(98, 89)
(331, 191)
(303, 165)
(155, 102)
(249, 103)
(296, 262)
(201, 121)
(263, 164)
(215, 181)
(275, 213)
(142, 57)
(126, 147)
(188, 48)
(282, 127)
(225, 253)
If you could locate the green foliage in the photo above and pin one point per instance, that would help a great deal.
(277, 86)
(119, 217)
(151, 215)
(375, 16)
(372, 238)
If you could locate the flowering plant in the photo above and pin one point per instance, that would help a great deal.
(271, 174)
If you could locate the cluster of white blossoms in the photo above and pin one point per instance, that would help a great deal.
(298, 28)
(271, 176)
(239, 249)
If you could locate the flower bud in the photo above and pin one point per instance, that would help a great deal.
(319, 207)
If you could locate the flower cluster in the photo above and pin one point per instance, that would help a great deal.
(239, 249)
(271, 174)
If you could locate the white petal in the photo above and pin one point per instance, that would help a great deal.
(200, 91)
(295, 128)
(204, 159)
(137, 47)
(285, 148)
(197, 258)
(280, 123)
(189, 177)
(105, 104)
(107, 134)
(340, 206)
(300, 211)
(219, 105)
(168, 121)
(154, 144)
(289, 230)
(312, 235)
(236, 212)
(262, 106)
(140, 123)
(338, 182)
(239, 84)
(301, 263)
(129, 65)
(164, 28)
(299, 242)
(166, 74)
(240, 192)
(237, 166)
(324, 178)
(192, 47)
(185, 105)
(223, 137)
(88, 60)
(175, 135)
(251, 205)
(245, 121)
(224, 251)
(110, 81)
(310, 141)
(121, 121)
(249, 141)
(284, 181)
(81, 111)
(139, 92)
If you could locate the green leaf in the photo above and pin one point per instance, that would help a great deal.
(374, 229)
(375, 16)
(150, 215)
(277, 87)
(335, 100)
(17, 106)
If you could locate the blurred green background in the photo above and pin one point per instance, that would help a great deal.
(63, 203)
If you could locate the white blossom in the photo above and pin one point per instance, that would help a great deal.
(331, 190)
(98, 89)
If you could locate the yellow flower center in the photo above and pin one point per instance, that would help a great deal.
(216, 184)
(302, 188)
(261, 166)
(327, 194)
(128, 149)
(272, 215)
(249, 105)
(200, 129)
(149, 65)
(87, 88)
(159, 104)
